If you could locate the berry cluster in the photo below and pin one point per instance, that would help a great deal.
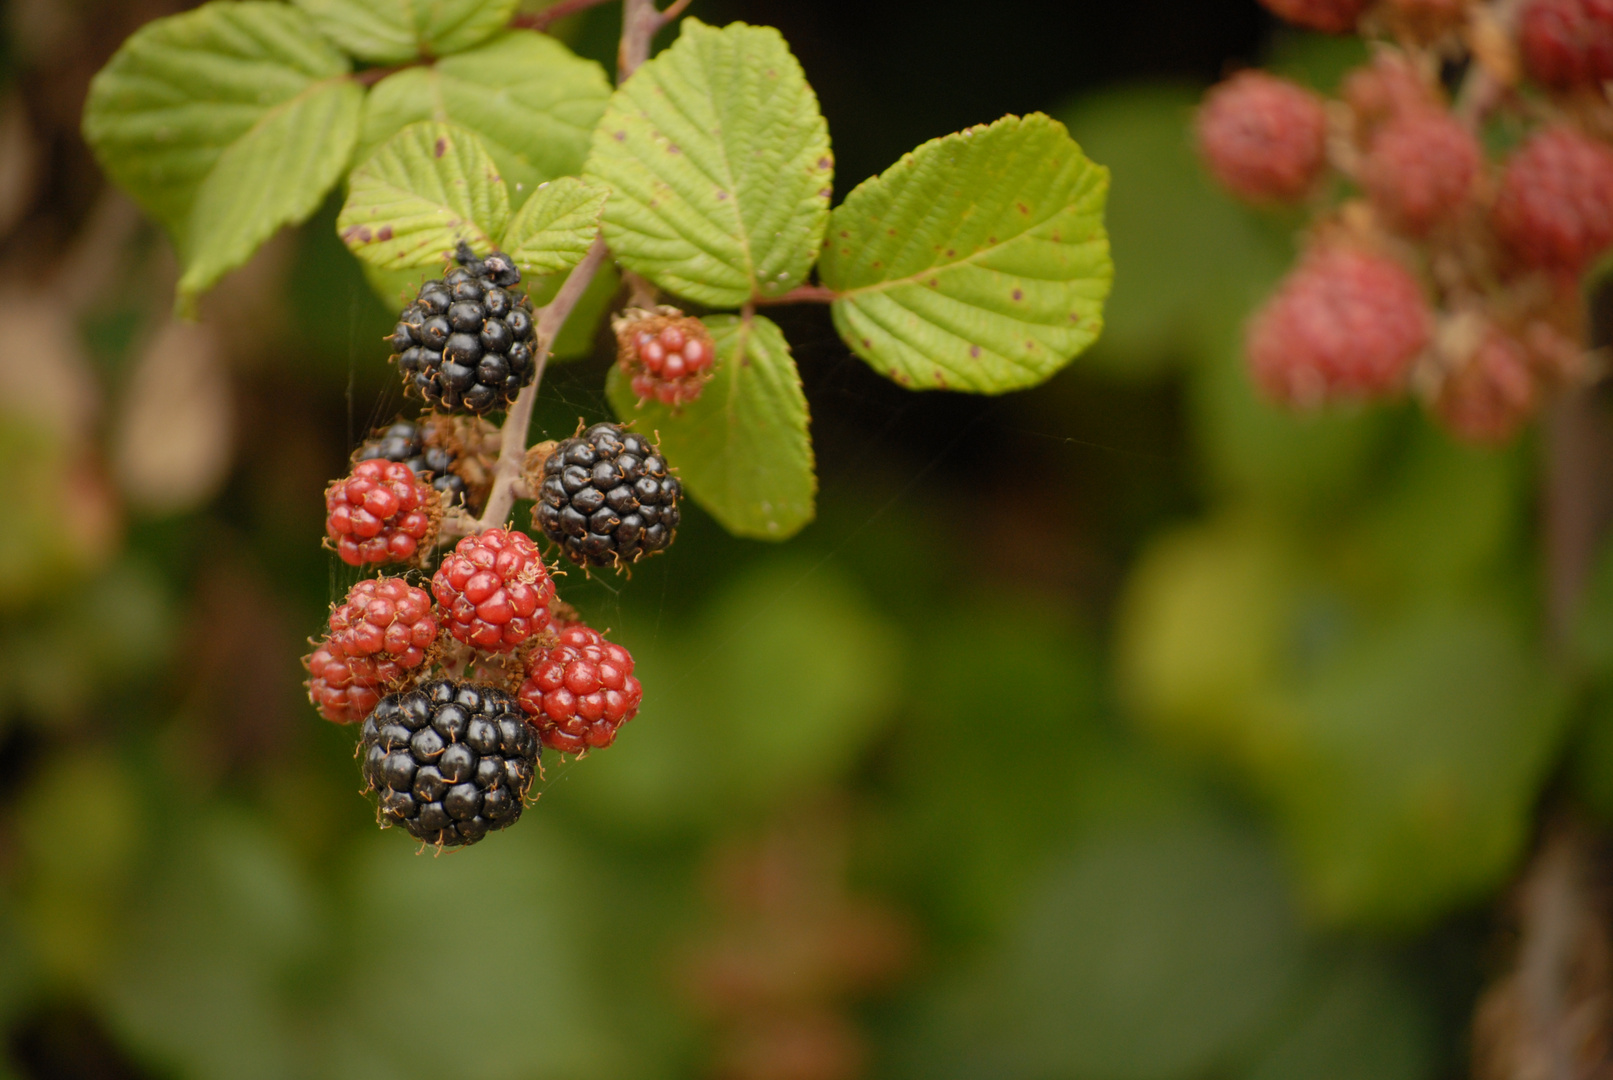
(462, 671)
(394, 657)
(1450, 275)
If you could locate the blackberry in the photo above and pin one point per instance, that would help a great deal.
(606, 497)
(666, 355)
(342, 690)
(1555, 203)
(452, 760)
(1263, 138)
(468, 343)
(405, 443)
(1420, 169)
(580, 691)
(380, 512)
(1343, 325)
(493, 591)
(1567, 44)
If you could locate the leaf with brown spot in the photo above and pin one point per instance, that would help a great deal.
(427, 188)
(904, 308)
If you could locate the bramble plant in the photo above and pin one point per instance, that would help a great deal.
(493, 181)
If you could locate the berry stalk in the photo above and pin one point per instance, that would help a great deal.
(640, 22)
(512, 449)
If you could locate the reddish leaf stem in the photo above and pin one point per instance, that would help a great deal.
(542, 20)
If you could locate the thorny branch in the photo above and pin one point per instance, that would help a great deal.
(640, 22)
(512, 447)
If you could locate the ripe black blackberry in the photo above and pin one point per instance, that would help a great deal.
(452, 760)
(404, 442)
(467, 343)
(606, 497)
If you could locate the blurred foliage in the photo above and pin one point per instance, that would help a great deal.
(1195, 768)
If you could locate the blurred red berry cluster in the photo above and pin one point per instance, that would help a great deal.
(1431, 266)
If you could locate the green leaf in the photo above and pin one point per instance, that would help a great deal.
(429, 187)
(275, 174)
(198, 112)
(742, 447)
(1366, 1022)
(1157, 948)
(719, 167)
(1189, 255)
(977, 262)
(553, 231)
(393, 31)
(532, 101)
(1407, 770)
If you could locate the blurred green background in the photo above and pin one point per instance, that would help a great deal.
(1124, 729)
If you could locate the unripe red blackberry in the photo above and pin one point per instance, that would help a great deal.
(467, 343)
(1555, 205)
(1328, 16)
(666, 355)
(452, 761)
(1492, 393)
(405, 442)
(493, 591)
(607, 498)
(1388, 87)
(386, 620)
(1263, 137)
(344, 691)
(1567, 43)
(1420, 169)
(381, 512)
(1344, 324)
(580, 691)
